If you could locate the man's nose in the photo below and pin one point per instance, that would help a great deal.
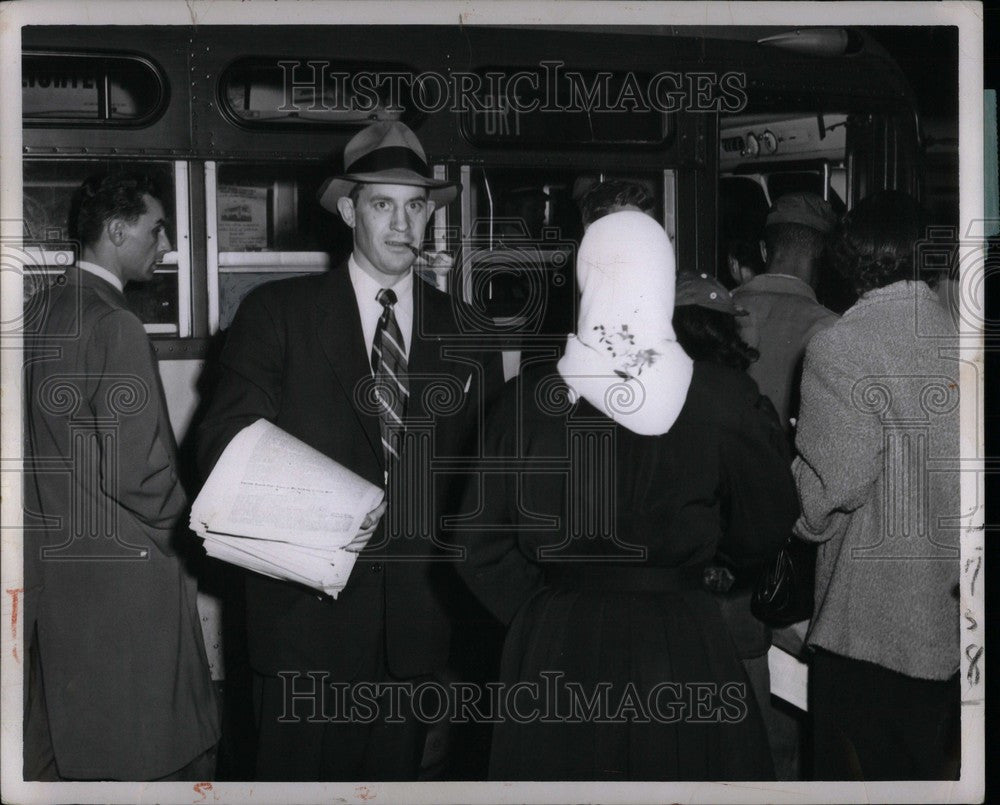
(163, 243)
(399, 220)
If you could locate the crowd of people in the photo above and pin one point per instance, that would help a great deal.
(613, 509)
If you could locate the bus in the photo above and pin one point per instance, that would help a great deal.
(243, 123)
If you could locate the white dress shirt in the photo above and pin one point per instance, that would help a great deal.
(102, 272)
(366, 290)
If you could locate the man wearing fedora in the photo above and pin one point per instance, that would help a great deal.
(369, 365)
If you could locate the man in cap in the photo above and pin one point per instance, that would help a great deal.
(783, 315)
(783, 311)
(369, 365)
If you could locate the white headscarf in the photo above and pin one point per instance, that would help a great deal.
(624, 357)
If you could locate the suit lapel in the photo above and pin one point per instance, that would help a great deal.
(424, 360)
(340, 334)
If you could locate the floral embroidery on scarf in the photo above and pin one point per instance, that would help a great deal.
(621, 343)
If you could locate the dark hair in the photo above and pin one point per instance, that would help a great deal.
(746, 250)
(793, 237)
(874, 245)
(712, 336)
(106, 197)
(604, 197)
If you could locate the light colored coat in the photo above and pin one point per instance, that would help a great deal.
(878, 480)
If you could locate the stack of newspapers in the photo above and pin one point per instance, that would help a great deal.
(277, 506)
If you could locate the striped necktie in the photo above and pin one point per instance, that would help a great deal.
(389, 366)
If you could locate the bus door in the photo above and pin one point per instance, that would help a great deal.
(840, 126)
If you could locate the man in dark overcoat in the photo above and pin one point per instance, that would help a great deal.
(368, 364)
(118, 684)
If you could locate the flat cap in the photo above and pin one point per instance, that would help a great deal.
(807, 209)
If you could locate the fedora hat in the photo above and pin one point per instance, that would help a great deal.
(386, 152)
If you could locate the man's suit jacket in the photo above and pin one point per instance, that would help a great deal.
(126, 678)
(295, 355)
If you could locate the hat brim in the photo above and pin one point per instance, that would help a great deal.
(735, 310)
(440, 191)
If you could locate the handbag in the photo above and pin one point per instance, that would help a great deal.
(784, 592)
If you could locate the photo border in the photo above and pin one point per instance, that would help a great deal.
(971, 170)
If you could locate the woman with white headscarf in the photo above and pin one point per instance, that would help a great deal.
(614, 477)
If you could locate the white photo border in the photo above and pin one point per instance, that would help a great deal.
(536, 12)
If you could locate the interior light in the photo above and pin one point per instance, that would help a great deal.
(815, 41)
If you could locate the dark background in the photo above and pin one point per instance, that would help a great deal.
(926, 54)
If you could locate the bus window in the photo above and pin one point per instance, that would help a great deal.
(90, 89)
(522, 113)
(268, 225)
(162, 304)
(307, 93)
(522, 227)
(272, 207)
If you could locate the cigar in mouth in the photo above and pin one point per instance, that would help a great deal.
(420, 252)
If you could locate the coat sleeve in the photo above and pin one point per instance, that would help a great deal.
(249, 386)
(759, 504)
(839, 445)
(138, 463)
(494, 566)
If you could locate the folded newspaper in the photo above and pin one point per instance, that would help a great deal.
(277, 506)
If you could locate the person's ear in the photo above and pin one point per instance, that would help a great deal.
(117, 231)
(734, 269)
(763, 251)
(346, 209)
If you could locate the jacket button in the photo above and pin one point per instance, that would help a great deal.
(376, 567)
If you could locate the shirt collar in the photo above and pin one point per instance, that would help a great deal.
(102, 273)
(366, 290)
(365, 285)
(781, 283)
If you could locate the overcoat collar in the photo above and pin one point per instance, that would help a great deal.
(75, 276)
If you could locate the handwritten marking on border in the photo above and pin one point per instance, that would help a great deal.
(973, 653)
(14, 594)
